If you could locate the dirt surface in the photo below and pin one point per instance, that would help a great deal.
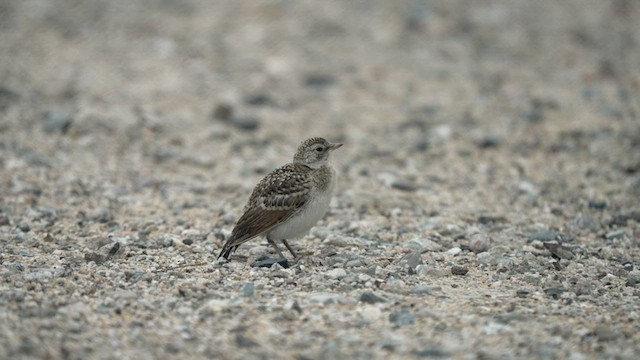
(488, 201)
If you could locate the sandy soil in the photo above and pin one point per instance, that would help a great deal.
(488, 204)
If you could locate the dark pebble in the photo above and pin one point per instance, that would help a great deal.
(459, 270)
(243, 341)
(522, 293)
(489, 141)
(490, 219)
(223, 112)
(371, 298)
(95, 257)
(597, 205)
(319, 80)
(404, 186)
(558, 251)
(633, 281)
(621, 219)
(402, 317)
(422, 145)
(627, 266)
(248, 123)
(432, 353)
(554, 293)
(24, 227)
(187, 241)
(4, 220)
(114, 249)
(7, 97)
(269, 262)
(258, 100)
(57, 121)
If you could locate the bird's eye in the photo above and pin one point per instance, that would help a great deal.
(320, 149)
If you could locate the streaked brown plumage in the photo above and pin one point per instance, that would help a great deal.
(289, 201)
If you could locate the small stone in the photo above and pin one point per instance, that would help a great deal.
(403, 186)
(24, 227)
(95, 257)
(57, 121)
(550, 235)
(4, 220)
(319, 80)
(627, 266)
(411, 261)
(459, 270)
(425, 289)
(632, 281)
(558, 251)
(258, 100)
(248, 123)
(402, 318)
(101, 215)
(490, 219)
(586, 223)
(489, 141)
(618, 234)
(371, 313)
(336, 274)
(223, 112)
(479, 242)
(604, 333)
(432, 353)
(187, 241)
(371, 298)
(554, 293)
(454, 251)
(270, 262)
(248, 290)
(522, 293)
(597, 204)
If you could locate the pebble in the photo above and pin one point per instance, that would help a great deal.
(454, 251)
(426, 289)
(248, 290)
(459, 270)
(371, 313)
(24, 227)
(248, 123)
(336, 274)
(411, 261)
(57, 121)
(479, 242)
(402, 317)
(371, 298)
(223, 112)
(618, 234)
(319, 80)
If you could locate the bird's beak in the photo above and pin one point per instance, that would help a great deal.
(334, 146)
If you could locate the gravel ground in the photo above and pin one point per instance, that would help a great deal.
(488, 204)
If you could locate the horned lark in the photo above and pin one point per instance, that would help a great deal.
(289, 201)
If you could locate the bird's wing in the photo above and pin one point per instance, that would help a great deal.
(279, 195)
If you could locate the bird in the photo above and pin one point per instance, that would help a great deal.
(289, 201)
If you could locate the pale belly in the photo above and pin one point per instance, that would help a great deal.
(299, 224)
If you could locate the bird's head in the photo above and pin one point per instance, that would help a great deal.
(314, 152)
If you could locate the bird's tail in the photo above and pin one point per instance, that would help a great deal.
(227, 250)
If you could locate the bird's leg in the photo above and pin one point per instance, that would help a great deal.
(295, 256)
(272, 243)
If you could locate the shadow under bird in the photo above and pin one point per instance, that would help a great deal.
(289, 201)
